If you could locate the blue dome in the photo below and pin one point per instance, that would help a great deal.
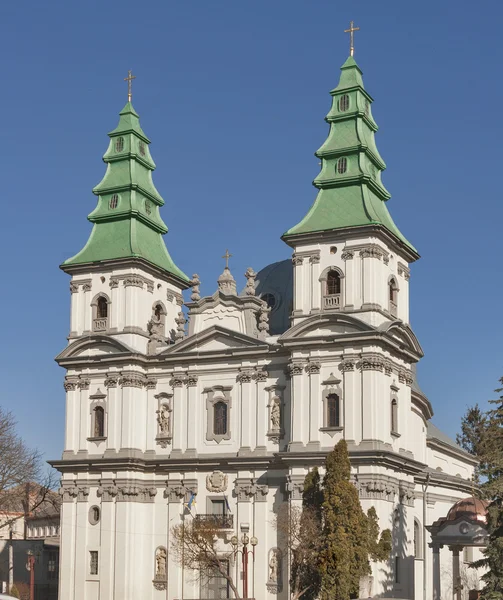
(274, 284)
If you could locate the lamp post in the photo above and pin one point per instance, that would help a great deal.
(245, 540)
(30, 565)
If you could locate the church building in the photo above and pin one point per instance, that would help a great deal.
(182, 406)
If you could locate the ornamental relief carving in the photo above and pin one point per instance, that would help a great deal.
(246, 489)
(347, 254)
(216, 482)
(107, 492)
(112, 380)
(135, 380)
(347, 365)
(313, 368)
(295, 368)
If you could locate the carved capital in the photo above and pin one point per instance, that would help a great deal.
(175, 491)
(74, 287)
(133, 281)
(132, 379)
(313, 368)
(348, 254)
(151, 383)
(246, 489)
(82, 493)
(372, 362)
(177, 380)
(314, 259)
(244, 376)
(111, 380)
(348, 364)
(191, 380)
(70, 383)
(68, 491)
(113, 283)
(107, 492)
(295, 368)
(261, 375)
(83, 383)
(297, 260)
(295, 486)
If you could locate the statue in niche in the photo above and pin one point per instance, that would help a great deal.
(275, 415)
(164, 419)
(160, 563)
(274, 566)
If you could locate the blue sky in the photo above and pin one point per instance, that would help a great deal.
(233, 95)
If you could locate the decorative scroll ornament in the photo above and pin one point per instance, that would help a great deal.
(216, 482)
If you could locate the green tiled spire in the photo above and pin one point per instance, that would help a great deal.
(127, 223)
(351, 193)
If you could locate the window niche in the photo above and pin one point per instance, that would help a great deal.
(160, 571)
(275, 406)
(164, 419)
(393, 296)
(332, 405)
(98, 417)
(331, 288)
(218, 412)
(418, 540)
(394, 411)
(101, 312)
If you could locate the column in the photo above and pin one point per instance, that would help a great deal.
(176, 383)
(262, 417)
(74, 308)
(349, 284)
(436, 571)
(246, 414)
(315, 301)
(193, 423)
(315, 405)
(72, 414)
(296, 401)
(456, 574)
(298, 285)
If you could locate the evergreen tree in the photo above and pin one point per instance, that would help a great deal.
(489, 448)
(379, 546)
(470, 439)
(344, 556)
(308, 573)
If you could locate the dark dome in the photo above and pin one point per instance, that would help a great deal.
(470, 508)
(274, 284)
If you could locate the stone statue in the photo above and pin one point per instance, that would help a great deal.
(275, 415)
(180, 327)
(273, 567)
(250, 282)
(164, 419)
(263, 321)
(160, 563)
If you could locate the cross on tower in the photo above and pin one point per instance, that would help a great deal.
(226, 256)
(351, 31)
(129, 80)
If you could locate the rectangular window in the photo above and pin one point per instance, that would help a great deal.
(215, 585)
(52, 565)
(397, 569)
(93, 562)
(218, 507)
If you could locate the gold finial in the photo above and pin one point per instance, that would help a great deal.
(226, 256)
(351, 31)
(129, 80)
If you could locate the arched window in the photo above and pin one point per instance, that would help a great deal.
(102, 312)
(333, 411)
(220, 418)
(344, 103)
(333, 283)
(393, 296)
(394, 416)
(342, 165)
(119, 144)
(99, 422)
(417, 540)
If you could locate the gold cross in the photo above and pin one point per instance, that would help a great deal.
(351, 31)
(226, 256)
(129, 80)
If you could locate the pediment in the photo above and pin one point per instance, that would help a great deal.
(94, 345)
(215, 339)
(327, 324)
(403, 335)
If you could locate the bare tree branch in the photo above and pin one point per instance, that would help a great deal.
(24, 487)
(196, 545)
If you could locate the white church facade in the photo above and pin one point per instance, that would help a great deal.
(228, 405)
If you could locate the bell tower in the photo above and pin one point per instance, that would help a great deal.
(348, 253)
(124, 281)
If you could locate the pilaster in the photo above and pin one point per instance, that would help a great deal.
(176, 383)
(246, 412)
(297, 398)
(194, 431)
(315, 405)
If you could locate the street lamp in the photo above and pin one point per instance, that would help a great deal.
(30, 565)
(245, 540)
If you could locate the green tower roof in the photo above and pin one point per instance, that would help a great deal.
(351, 193)
(127, 222)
